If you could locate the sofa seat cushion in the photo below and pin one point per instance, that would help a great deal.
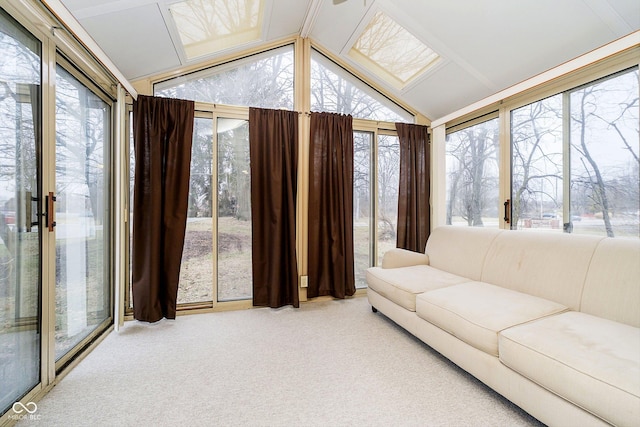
(590, 361)
(401, 285)
(476, 312)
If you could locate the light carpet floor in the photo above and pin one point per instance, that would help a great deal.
(331, 363)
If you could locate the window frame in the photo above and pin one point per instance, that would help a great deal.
(585, 75)
(302, 96)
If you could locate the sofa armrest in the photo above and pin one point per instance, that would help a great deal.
(397, 257)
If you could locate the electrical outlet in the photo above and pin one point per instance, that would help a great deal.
(304, 281)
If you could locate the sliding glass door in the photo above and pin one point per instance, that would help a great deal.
(83, 291)
(55, 209)
(20, 187)
(376, 171)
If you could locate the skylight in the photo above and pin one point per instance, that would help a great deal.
(209, 26)
(391, 52)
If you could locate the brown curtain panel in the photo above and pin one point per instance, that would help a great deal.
(331, 206)
(162, 133)
(413, 195)
(273, 145)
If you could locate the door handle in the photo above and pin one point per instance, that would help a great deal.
(33, 223)
(507, 211)
(50, 211)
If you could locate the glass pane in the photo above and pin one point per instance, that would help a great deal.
(264, 80)
(209, 26)
(361, 205)
(536, 176)
(388, 184)
(234, 211)
(196, 272)
(20, 126)
(82, 142)
(334, 90)
(472, 175)
(390, 51)
(604, 157)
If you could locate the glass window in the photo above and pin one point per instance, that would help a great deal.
(336, 91)
(536, 165)
(20, 256)
(362, 142)
(578, 172)
(234, 211)
(388, 185)
(83, 291)
(472, 175)
(209, 26)
(380, 217)
(196, 271)
(390, 51)
(605, 169)
(264, 80)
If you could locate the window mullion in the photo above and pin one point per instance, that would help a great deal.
(373, 201)
(566, 163)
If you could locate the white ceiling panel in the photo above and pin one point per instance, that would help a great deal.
(622, 16)
(450, 98)
(286, 18)
(137, 40)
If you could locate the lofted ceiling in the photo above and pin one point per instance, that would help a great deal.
(485, 45)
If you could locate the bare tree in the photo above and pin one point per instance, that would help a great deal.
(19, 130)
(472, 181)
(80, 142)
(537, 156)
(596, 108)
(265, 82)
(201, 177)
(388, 175)
(334, 92)
(361, 174)
(234, 185)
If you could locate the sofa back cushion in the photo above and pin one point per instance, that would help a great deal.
(544, 264)
(612, 286)
(460, 250)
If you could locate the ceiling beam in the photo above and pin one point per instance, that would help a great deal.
(310, 18)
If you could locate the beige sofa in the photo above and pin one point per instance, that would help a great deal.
(549, 320)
